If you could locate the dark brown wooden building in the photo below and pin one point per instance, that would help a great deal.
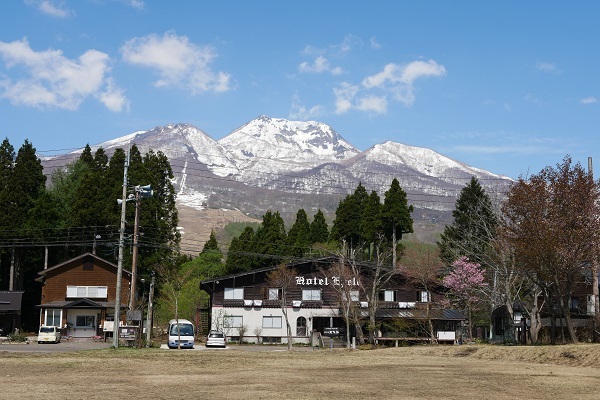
(10, 311)
(79, 295)
(246, 301)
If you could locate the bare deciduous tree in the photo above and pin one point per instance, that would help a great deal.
(284, 278)
(554, 228)
(421, 263)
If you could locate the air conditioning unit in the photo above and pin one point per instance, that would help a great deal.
(364, 304)
(257, 303)
(248, 303)
(296, 303)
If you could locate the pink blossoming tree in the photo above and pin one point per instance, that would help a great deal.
(465, 284)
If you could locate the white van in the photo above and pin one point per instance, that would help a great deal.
(181, 333)
(49, 334)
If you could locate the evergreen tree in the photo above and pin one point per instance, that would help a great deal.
(269, 243)
(371, 224)
(319, 232)
(159, 237)
(473, 228)
(90, 197)
(86, 155)
(211, 244)
(25, 186)
(348, 217)
(396, 216)
(209, 263)
(298, 237)
(7, 159)
(239, 257)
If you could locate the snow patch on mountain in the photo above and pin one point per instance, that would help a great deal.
(193, 199)
(275, 144)
(423, 160)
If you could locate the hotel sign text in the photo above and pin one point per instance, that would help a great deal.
(334, 280)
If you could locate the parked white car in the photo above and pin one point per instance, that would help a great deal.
(49, 334)
(216, 339)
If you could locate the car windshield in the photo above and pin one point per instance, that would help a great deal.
(215, 335)
(47, 329)
(184, 330)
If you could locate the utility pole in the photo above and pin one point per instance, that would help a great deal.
(594, 274)
(149, 316)
(120, 259)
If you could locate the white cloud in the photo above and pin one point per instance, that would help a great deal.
(178, 62)
(53, 8)
(374, 43)
(404, 74)
(344, 95)
(589, 100)
(113, 97)
(349, 43)
(395, 80)
(372, 103)
(547, 67)
(139, 4)
(532, 99)
(321, 65)
(53, 80)
(300, 112)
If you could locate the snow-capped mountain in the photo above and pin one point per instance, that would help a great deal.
(266, 146)
(273, 163)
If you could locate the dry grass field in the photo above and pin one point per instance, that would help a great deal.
(420, 372)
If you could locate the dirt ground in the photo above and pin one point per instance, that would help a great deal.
(422, 372)
(197, 224)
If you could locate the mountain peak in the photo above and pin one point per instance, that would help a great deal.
(308, 142)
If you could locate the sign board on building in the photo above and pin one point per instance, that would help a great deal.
(331, 332)
(134, 315)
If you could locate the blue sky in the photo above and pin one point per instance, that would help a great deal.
(510, 87)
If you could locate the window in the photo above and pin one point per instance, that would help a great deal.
(85, 320)
(184, 329)
(53, 317)
(574, 304)
(423, 296)
(274, 294)
(311, 294)
(301, 326)
(87, 291)
(387, 295)
(233, 321)
(271, 322)
(234, 293)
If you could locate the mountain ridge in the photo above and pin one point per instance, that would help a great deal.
(277, 164)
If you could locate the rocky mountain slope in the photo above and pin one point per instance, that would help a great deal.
(277, 164)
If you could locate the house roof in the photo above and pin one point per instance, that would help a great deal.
(96, 259)
(10, 300)
(78, 303)
(304, 261)
(266, 269)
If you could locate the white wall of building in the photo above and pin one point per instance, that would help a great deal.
(252, 319)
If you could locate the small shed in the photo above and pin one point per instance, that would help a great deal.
(10, 311)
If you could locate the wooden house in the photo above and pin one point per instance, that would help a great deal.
(10, 311)
(246, 302)
(79, 295)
